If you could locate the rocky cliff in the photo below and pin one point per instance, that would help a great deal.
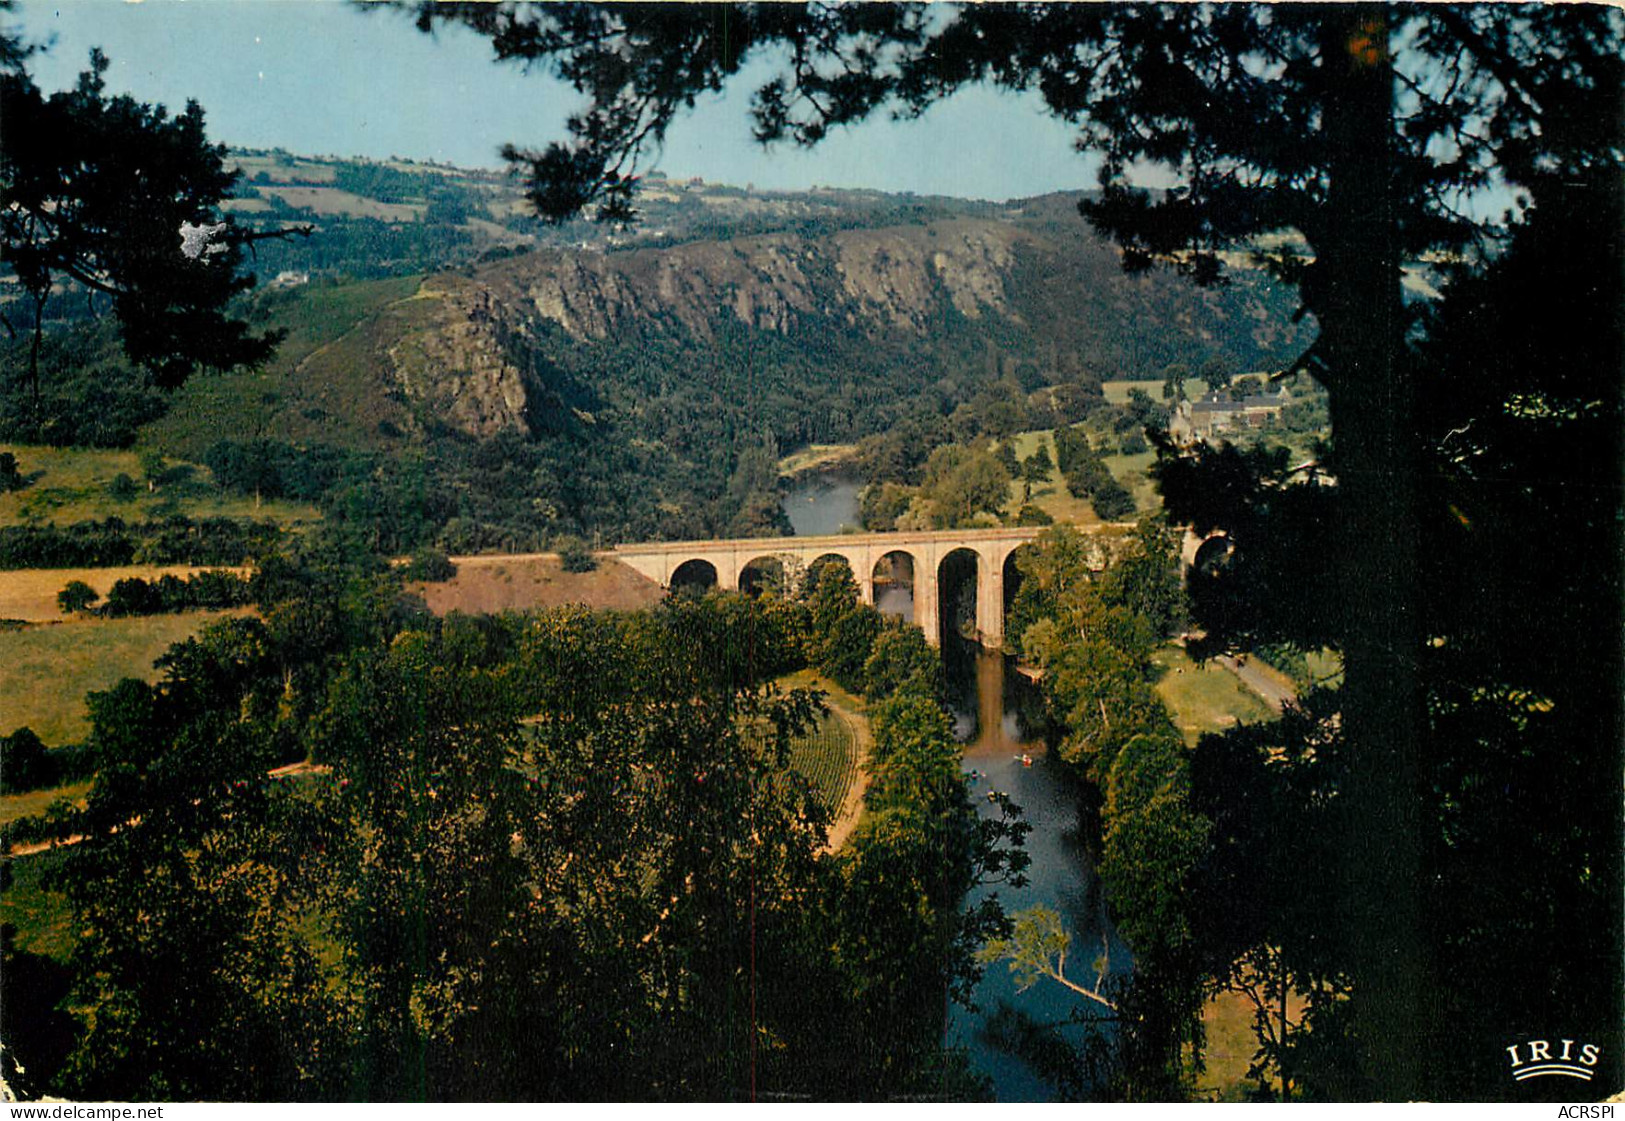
(1032, 280)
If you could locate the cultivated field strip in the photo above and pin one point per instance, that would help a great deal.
(827, 756)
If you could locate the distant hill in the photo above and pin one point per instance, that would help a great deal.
(378, 218)
(928, 310)
(530, 380)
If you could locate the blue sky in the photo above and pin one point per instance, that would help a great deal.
(319, 77)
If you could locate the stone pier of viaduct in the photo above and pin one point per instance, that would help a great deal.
(863, 553)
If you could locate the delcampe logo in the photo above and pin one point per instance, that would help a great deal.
(1534, 1058)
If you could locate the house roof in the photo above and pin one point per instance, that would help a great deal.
(1257, 401)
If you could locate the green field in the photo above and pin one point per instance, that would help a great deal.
(1133, 471)
(35, 802)
(1205, 698)
(44, 923)
(827, 755)
(1055, 500)
(1117, 391)
(73, 484)
(1052, 497)
(29, 594)
(294, 170)
(46, 670)
(326, 384)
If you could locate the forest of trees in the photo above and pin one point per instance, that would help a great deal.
(112, 542)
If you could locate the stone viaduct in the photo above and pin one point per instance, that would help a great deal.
(927, 551)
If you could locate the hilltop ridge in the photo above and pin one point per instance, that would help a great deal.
(526, 380)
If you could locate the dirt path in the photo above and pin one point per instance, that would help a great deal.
(291, 770)
(41, 846)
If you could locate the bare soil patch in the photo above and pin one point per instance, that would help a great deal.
(487, 585)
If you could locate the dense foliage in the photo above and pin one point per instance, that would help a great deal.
(431, 565)
(123, 199)
(27, 764)
(91, 394)
(1087, 476)
(109, 543)
(1519, 404)
(1458, 546)
(213, 589)
(1091, 623)
(543, 856)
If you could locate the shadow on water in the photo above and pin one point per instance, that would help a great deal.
(999, 719)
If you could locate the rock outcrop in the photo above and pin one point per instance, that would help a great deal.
(480, 358)
(458, 367)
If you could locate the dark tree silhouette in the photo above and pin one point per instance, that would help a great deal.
(1372, 134)
(124, 199)
(1519, 434)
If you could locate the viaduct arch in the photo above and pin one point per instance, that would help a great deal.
(660, 560)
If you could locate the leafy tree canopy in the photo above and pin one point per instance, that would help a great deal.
(123, 199)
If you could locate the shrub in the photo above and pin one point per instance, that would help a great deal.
(131, 596)
(901, 660)
(1087, 476)
(213, 589)
(27, 764)
(1111, 501)
(883, 504)
(430, 564)
(574, 553)
(76, 596)
(24, 763)
(123, 488)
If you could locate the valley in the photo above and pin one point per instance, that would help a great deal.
(493, 423)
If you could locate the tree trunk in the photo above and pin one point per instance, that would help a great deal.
(34, 343)
(1374, 434)
(1286, 987)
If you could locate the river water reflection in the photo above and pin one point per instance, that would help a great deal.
(819, 505)
(998, 718)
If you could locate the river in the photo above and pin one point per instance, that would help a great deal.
(819, 505)
(997, 717)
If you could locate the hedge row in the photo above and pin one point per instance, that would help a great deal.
(104, 544)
